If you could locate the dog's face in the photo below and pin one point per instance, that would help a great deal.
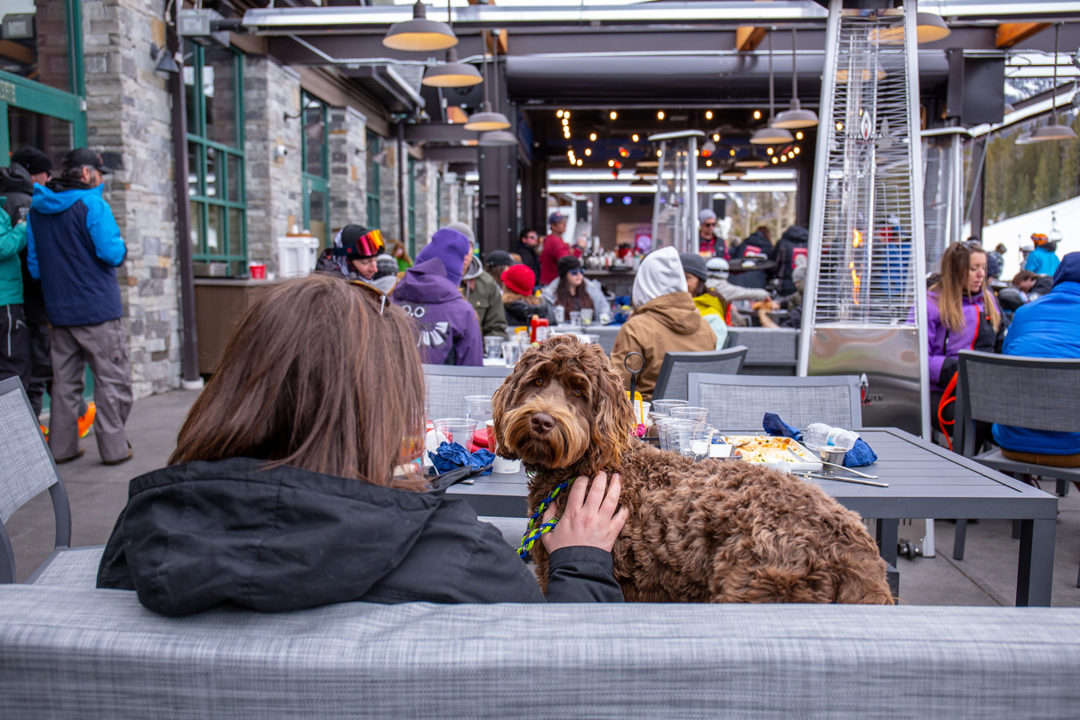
(563, 407)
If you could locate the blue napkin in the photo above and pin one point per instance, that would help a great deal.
(453, 455)
(861, 454)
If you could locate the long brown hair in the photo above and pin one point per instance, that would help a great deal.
(314, 376)
(952, 286)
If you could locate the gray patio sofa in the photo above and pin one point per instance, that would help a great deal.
(71, 653)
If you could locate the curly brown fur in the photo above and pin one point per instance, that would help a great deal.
(708, 531)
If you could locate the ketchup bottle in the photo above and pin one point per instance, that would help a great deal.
(535, 334)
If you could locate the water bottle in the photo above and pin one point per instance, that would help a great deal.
(820, 436)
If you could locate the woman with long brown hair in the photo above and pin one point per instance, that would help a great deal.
(961, 314)
(287, 490)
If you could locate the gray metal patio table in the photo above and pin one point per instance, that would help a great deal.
(925, 481)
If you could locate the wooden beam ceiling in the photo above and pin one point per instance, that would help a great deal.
(1009, 34)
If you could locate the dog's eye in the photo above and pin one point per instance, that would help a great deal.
(576, 392)
(538, 382)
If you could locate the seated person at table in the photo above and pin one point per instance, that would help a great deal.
(520, 302)
(353, 254)
(719, 283)
(495, 262)
(448, 332)
(793, 304)
(291, 486)
(573, 292)
(664, 320)
(711, 306)
(1046, 328)
(485, 296)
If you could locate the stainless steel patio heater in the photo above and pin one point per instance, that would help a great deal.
(866, 289)
(675, 207)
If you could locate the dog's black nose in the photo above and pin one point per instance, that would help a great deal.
(542, 423)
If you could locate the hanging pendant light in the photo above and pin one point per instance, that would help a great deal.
(493, 138)
(929, 27)
(419, 34)
(1053, 131)
(796, 118)
(640, 181)
(487, 119)
(452, 73)
(752, 161)
(718, 182)
(771, 135)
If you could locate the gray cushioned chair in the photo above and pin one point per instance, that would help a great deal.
(770, 351)
(738, 402)
(677, 366)
(1032, 393)
(26, 470)
(447, 386)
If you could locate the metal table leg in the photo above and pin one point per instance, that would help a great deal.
(1035, 571)
(888, 534)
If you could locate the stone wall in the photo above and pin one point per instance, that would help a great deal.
(388, 191)
(272, 145)
(348, 168)
(128, 119)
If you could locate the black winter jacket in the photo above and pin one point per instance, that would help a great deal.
(791, 252)
(203, 534)
(17, 189)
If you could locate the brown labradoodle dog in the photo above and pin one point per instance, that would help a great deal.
(708, 531)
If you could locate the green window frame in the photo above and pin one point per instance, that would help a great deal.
(314, 112)
(213, 192)
(412, 206)
(374, 206)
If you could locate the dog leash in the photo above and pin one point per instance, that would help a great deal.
(531, 536)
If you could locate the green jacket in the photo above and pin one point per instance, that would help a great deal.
(486, 299)
(12, 241)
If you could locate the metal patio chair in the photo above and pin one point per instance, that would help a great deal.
(738, 402)
(447, 386)
(677, 366)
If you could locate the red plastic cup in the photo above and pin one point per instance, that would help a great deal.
(258, 271)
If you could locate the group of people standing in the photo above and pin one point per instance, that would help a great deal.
(61, 307)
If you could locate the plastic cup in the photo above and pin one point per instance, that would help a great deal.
(586, 316)
(478, 408)
(664, 407)
(575, 317)
(695, 414)
(493, 345)
(686, 437)
(258, 271)
(511, 352)
(459, 430)
(560, 314)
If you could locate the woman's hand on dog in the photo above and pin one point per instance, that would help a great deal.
(593, 520)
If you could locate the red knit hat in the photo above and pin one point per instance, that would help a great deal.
(519, 279)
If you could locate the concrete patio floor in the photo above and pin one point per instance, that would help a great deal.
(987, 575)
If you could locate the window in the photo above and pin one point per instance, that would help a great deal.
(315, 152)
(216, 192)
(374, 212)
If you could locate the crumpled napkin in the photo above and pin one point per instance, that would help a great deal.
(452, 455)
(861, 454)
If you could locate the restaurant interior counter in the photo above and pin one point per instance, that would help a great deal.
(618, 282)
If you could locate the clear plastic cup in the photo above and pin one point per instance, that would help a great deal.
(686, 437)
(511, 352)
(696, 414)
(586, 316)
(575, 317)
(459, 430)
(560, 314)
(478, 408)
(664, 407)
(493, 345)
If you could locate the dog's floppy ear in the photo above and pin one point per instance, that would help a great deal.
(500, 402)
(613, 415)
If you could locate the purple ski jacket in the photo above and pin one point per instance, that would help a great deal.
(448, 332)
(946, 343)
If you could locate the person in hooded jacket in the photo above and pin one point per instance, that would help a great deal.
(1048, 327)
(14, 336)
(791, 252)
(74, 247)
(353, 253)
(483, 293)
(448, 331)
(293, 484)
(665, 319)
(711, 306)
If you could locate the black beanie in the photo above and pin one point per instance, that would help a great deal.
(33, 160)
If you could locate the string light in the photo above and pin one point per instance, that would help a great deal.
(613, 115)
(708, 163)
(635, 137)
(716, 137)
(558, 113)
(797, 150)
(708, 114)
(732, 152)
(768, 151)
(592, 137)
(579, 162)
(659, 153)
(588, 152)
(611, 163)
(839, 127)
(757, 114)
(659, 114)
(775, 160)
(799, 135)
